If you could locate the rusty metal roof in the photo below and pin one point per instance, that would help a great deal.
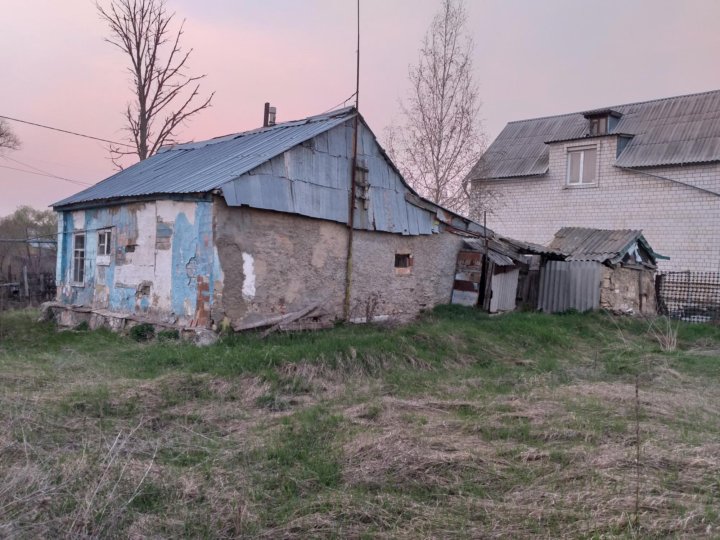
(670, 131)
(599, 245)
(199, 167)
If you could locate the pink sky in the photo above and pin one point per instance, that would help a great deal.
(532, 59)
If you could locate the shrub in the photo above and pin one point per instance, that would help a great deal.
(82, 327)
(142, 332)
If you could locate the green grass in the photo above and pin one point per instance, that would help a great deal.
(456, 425)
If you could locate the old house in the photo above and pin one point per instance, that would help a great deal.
(652, 166)
(600, 269)
(244, 230)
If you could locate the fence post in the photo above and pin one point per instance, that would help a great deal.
(27, 289)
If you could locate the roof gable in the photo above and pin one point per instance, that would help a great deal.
(670, 131)
(600, 245)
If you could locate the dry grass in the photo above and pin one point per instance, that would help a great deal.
(665, 332)
(512, 443)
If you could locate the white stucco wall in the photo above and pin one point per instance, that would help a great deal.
(678, 221)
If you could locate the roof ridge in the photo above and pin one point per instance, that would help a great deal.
(614, 106)
(600, 229)
(286, 123)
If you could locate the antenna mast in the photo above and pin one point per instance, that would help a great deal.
(351, 201)
(357, 68)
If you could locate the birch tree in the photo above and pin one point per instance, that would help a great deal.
(439, 136)
(165, 95)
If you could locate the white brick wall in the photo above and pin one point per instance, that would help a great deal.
(679, 221)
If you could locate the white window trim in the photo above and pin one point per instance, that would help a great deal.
(73, 281)
(580, 185)
(103, 259)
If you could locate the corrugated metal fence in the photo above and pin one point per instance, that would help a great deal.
(569, 285)
(689, 296)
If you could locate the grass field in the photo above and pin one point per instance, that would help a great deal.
(459, 425)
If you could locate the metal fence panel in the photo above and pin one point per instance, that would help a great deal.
(569, 285)
(689, 296)
(504, 291)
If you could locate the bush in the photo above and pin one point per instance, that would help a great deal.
(168, 335)
(142, 332)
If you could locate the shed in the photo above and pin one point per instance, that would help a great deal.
(487, 275)
(611, 269)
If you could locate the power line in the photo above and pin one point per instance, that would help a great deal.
(26, 241)
(66, 131)
(43, 171)
(47, 175)
(37, 237)
(341, 103)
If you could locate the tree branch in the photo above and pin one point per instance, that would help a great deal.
(157, 63)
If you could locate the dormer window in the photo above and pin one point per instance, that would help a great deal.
(602, 121)
(599, 125)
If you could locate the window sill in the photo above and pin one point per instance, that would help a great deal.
(403, 271)
(581, 186)
(77, 284)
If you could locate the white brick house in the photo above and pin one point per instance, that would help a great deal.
(653, 166)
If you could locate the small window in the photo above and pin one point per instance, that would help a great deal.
(581, 166)
(599, 125)
(403, 260)
(79, 258)
(104, 243)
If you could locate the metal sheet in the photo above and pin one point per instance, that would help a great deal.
(302, 167)
(207, 165)
(670, 131)
(601, 245)
(569, 285)
(504, 291)
(464, 298)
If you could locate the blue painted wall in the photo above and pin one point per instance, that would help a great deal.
(177, 251)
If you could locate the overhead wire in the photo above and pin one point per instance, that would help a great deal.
(78, 182)
(66, 131)
(341, 103)
(46, 173)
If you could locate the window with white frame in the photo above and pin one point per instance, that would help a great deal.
(582, 166)
(104, 242)
(78, 266)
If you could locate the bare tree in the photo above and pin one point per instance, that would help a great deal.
(8, 139)
(37, 228)
(439, 137)
(165, 96)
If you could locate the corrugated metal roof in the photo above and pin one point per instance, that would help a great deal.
(200, 167)
(669, 131)
(498, 253)
(599, 245)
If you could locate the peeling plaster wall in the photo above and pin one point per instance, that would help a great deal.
(277, 263)
(162, 264)
(624, 289)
